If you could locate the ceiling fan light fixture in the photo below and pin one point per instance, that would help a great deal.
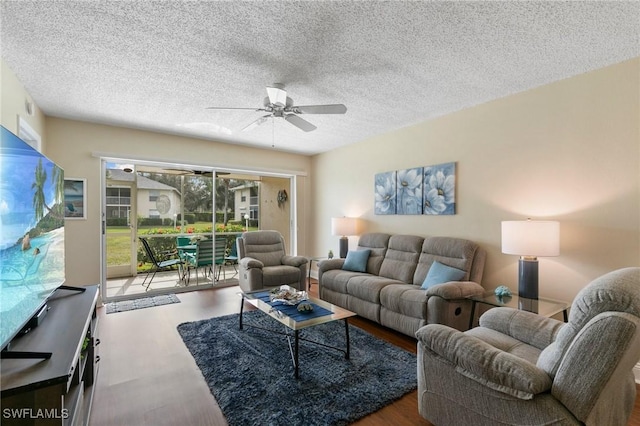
(277, 95)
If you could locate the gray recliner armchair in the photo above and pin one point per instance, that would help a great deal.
(263, 262)
(521, 368)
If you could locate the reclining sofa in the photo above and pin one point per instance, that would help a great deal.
(406, 281)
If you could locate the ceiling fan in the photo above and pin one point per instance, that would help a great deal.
(278, 105)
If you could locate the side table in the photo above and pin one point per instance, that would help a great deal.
(541, 306)
(311, 260)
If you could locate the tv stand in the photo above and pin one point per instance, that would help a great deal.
(72, 288)
(60, 386)
(7, 354)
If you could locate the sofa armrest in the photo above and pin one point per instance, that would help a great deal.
(296, 261)
(527, 327)
(483, 363)
(328, 264)
(456, 290)
(250, 262)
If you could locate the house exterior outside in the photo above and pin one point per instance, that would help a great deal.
(247, 201)
(154, 199)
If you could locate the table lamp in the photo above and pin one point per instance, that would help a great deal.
(530, 239)
(344, 226)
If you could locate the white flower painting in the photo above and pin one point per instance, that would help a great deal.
(409, 191)
(385, 193)
(440, 189)
(427, 190)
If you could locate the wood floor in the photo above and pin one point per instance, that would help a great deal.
(148, 377)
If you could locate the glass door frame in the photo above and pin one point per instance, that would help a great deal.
(132, 224)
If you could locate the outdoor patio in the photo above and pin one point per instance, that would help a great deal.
(168, 281)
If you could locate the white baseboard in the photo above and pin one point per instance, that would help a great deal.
(636, 372)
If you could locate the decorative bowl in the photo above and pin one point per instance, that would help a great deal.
(287, 295)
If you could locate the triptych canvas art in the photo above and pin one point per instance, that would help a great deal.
(420, 190)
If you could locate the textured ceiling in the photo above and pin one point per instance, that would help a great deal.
(157, 65)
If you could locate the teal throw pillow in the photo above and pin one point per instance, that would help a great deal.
(439, 273)
(356, 261)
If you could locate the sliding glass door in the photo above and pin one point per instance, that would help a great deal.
(178, 211)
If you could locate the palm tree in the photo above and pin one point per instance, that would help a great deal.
(58, 179)
(39, 202)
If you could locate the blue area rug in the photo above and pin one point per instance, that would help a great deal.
(145, 302)
(250, 372)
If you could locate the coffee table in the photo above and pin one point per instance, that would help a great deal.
(293, 326)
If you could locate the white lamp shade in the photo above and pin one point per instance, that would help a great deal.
(344, 226)
(531, 237)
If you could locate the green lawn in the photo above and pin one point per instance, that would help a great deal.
(119, 240)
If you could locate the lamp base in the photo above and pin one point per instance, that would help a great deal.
(528, 278)
(530, 305)
(344, 247)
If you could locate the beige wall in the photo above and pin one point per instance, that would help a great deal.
(568, 151)
(13, 104)
(272, 216)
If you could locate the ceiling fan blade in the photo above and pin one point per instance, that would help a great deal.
(277, 95)
(300, 123)
(320, 109)
(256, 123)
(246, 109)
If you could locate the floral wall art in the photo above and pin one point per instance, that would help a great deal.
(385, 187)
(409, 191)
(440, 189)
(429, 190)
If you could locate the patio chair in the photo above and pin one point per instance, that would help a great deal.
(232, 258)
(202, 258)
(158, 265)
(220, 257)
(184, 246)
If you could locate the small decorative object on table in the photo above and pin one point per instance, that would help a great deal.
(503, 291)
(330, 256)
(305, 308)
(287, 295)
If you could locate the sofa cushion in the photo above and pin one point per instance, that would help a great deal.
(337, 279)
(401, 258)
(377, 243)
(506, 343)
(455, 252)
(274, 276)
(356, 261)
(440, 273)
(615, 291)
(266, 246)
(405, 299)
(368, 287)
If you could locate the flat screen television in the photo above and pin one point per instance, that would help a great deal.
(31, 233)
